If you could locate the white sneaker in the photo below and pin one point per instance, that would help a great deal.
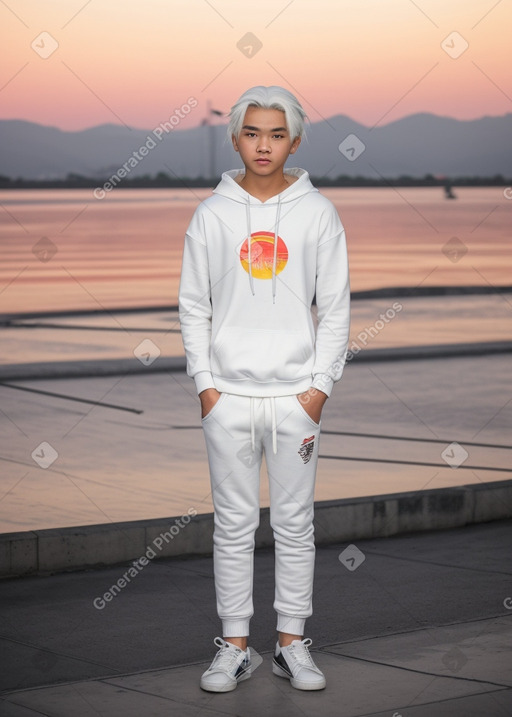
(230, 666)
(296, 664)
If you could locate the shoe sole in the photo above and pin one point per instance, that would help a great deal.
(229, 687)
(278, 670)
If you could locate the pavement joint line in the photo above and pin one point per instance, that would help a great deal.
(120, 675)
(427, 673)
(414, 463)
(5, 319)
(125, 489)
(406, 438)
(54, 652)
(77, 327)
(410, 631)
(150, 693)
(442, 565)
(327, 432)
(106, 678)
(436, 703)
(72, 398)
(173, 700)
(29, 709)
(322, 649)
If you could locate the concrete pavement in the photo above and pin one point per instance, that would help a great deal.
(420, 627)
(130, 447)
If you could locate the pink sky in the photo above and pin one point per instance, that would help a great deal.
(134, 62)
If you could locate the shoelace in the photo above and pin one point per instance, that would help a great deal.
(300, 653)
(226, 658)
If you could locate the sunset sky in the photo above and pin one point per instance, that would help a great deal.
(134, 63)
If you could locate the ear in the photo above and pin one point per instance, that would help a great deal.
(295, 145)
(235, 143)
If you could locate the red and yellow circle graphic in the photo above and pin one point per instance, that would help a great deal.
(262, 255)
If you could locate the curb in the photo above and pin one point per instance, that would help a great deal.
(128, 366)
(337, 521)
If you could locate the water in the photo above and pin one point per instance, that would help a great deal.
(125, 250)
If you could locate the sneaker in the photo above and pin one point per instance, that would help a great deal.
(230, 666)
(296, 664)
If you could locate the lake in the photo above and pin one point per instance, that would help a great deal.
(66, 250)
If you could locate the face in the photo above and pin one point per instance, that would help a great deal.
(264, 143)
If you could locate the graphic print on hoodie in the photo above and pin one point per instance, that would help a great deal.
(245, 306)
(262, 254)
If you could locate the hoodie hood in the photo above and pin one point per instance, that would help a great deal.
(228, 187)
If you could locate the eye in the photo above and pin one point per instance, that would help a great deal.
(250, 134)
(278, 136)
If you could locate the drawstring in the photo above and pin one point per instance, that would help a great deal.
(274, 285)
(274, 424)
(273, 420)
(249, 246)
(253, 438)
(274, 262)
(249, 242)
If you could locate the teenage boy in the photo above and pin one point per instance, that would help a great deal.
(256, 254)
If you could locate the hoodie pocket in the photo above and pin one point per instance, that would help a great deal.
(305, 413)
(262, 355)
(215, 407)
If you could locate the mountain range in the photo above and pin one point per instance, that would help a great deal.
(415, 145)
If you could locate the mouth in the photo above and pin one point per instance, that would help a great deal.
(263, 161)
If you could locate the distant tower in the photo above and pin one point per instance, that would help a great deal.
(211, 137)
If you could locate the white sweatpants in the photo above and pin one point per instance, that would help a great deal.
(237, 431)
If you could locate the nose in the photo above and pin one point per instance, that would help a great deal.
(263, 145)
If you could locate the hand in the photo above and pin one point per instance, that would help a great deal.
(312, 402)
(208, 398)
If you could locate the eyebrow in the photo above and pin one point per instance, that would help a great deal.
(257, 129)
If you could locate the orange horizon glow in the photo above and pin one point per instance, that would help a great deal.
(136, 63)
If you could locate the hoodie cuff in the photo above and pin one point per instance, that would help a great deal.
(323, 382)
(203, 380)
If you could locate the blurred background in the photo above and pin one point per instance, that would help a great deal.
(112, 130)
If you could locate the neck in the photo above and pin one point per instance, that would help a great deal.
(264, 187)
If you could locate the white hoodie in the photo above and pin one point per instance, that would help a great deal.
(245, 309)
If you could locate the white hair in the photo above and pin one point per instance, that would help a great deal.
(269, 98)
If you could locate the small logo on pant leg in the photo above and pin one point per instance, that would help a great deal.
(306, 449)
